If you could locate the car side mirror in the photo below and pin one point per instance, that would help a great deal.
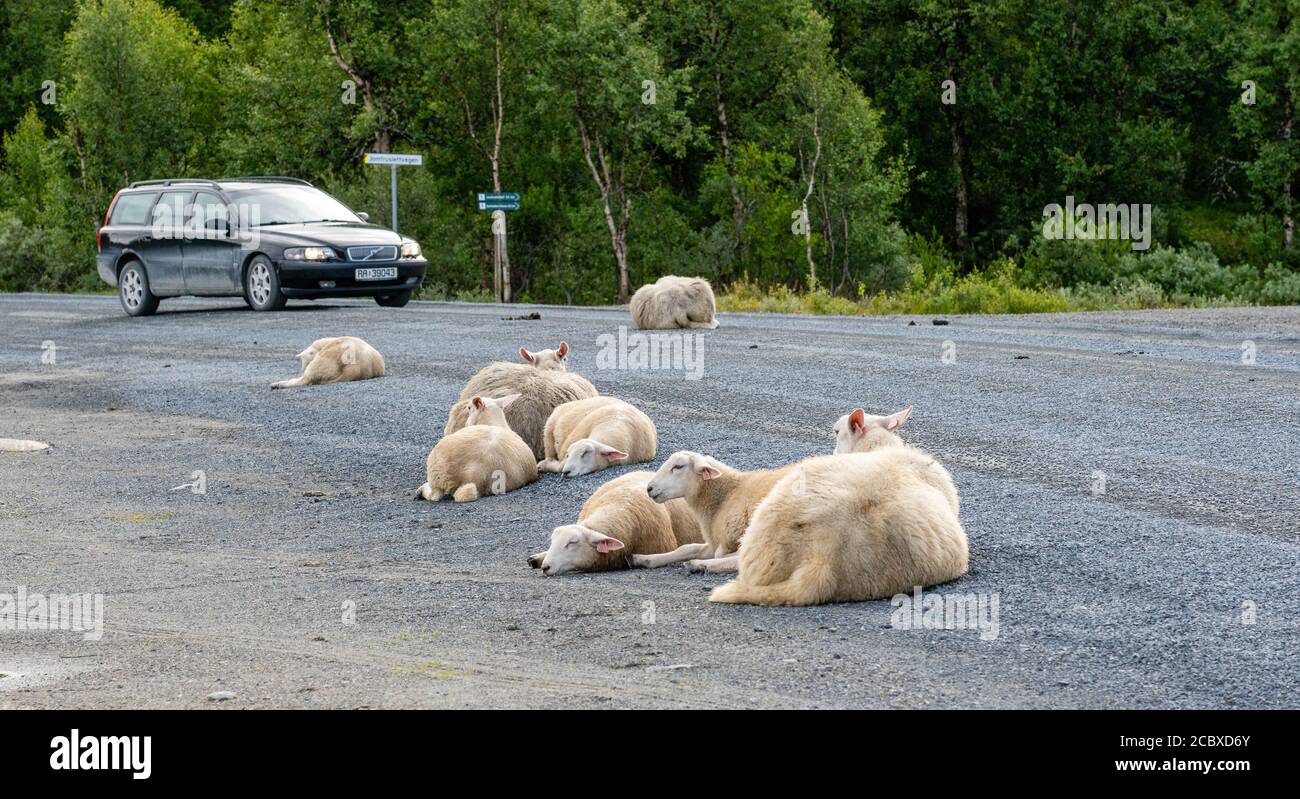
(365, 217)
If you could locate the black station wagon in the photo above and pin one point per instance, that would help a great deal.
(267, 239)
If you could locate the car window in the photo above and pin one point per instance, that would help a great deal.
(169, 213)
(205, 209)
(133, 209)
(278, 205)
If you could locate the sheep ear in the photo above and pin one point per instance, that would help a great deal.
(526, 355)
(564, 348)
(896, 420)
(707, 472)
(858, 421)
(505, 401)
(607, 544)
(612, 454)
(477, 402)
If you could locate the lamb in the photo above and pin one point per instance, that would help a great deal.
(846, 528)
(484, 457)
(618, 521)
(859, 431)
(541, 390)
(591, 434)
(336, 360)
(674, 302)
(722, 500)
(548, 359)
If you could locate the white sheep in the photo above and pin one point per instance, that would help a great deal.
(619, 520)
(541, 390)
(485, 457)
(859, 431)
(845, 528)
(548, 359)
(722, 500)
(591, 434)
(336, 360)
(672, 302)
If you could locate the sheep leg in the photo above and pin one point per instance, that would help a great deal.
(549, 465)
(428, 492)
(466, 493)
(536, 560)
(682, 553)
(297, 381)
(730, 563)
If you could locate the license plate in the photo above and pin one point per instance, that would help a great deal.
(377, 273)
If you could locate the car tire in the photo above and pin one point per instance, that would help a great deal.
(133, 290)
(262, 285)
(394, 300)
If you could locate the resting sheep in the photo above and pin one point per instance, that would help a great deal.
(722, 500)
(673, 302)
(618, 521)
(845, 528)
(485, 457)
(591, 434)
(859, 431)
(541, 388)
(548, 359)
(336, 360)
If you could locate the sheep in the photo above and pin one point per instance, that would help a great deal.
(336, 360)
(674, 302)
(591, 434)
(846, 528)
(553, 360)
(618, 520)
(486, 456)
(722, 500)
(859, 431)
(541, 391)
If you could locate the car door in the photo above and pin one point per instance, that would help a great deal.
(162, 248)
(210, 252)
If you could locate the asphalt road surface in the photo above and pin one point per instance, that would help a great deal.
(1129, 484)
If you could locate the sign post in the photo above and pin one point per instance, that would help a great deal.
(394, 160)
(498, 202)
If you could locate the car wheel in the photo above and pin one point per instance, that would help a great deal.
(262, 285)
(394, 300)
(133, 290)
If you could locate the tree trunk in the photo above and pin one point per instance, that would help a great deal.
(812, 178)
(617, 229)
(1288, 214)
(499, 114)
(383, 140)
(957, 136)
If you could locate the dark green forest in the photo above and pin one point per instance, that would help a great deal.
(849, 156)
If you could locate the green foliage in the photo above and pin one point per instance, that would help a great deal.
(755, 105)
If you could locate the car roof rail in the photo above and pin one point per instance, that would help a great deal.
(268, 179)
(135, 184)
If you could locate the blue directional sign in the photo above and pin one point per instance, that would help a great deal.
(498, 201)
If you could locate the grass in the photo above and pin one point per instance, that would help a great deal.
(989, 292)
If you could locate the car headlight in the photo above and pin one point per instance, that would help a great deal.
(410, 249)
(310, 254)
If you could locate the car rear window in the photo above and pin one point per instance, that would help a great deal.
(133, 209)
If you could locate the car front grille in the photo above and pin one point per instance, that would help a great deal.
(375, 252)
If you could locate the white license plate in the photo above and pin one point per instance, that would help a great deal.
(377, 273)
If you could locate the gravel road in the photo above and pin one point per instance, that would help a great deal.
(1129, 481)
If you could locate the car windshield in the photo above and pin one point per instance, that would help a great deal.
(288, 205)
